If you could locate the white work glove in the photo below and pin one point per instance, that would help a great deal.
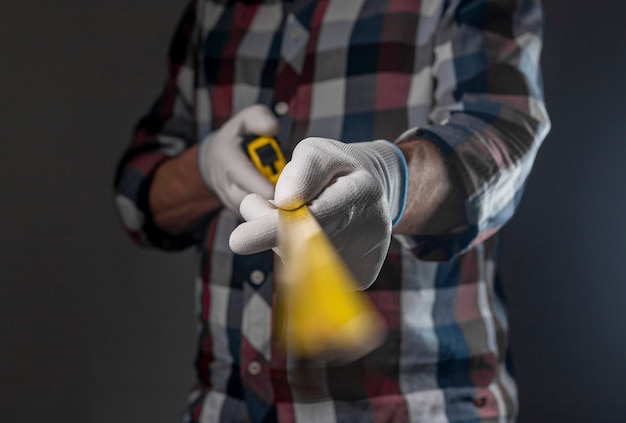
(356, 192)
(225, 167)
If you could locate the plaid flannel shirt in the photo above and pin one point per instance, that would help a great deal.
(461, 74)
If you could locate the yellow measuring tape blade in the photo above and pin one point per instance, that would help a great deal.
(326, 317)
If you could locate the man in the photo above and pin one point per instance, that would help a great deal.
(455, 85)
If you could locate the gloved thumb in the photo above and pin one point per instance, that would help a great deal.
(312, 167)
(258, 120)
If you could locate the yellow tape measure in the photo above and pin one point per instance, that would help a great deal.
(266, 155)
(319, 312)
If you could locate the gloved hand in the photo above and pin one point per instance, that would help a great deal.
(224, 166)
(355, 191)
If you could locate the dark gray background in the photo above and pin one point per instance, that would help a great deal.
(93, 329)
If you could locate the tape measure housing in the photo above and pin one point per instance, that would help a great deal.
(266, 155)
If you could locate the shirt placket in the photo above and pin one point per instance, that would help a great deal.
(256, 272)
(292, 57)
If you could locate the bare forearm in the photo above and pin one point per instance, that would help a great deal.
(434, 203)
(179, 199)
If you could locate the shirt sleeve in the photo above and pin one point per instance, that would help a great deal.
(165, 131)
(489, 118)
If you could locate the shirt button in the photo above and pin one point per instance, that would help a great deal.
(480, 402)
(295, 34)
(257, 277)
(281, 108)
(254, 368)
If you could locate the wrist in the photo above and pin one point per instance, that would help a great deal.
(202, 162)
(436, 203)
(178, 198)
(393, 167)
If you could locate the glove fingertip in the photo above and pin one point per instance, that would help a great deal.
(260, 120)
(240, 241)
(254, 206)
(238, 244)
(288, 193)
(260, 232)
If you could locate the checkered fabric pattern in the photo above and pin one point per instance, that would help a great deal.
(461, 74)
